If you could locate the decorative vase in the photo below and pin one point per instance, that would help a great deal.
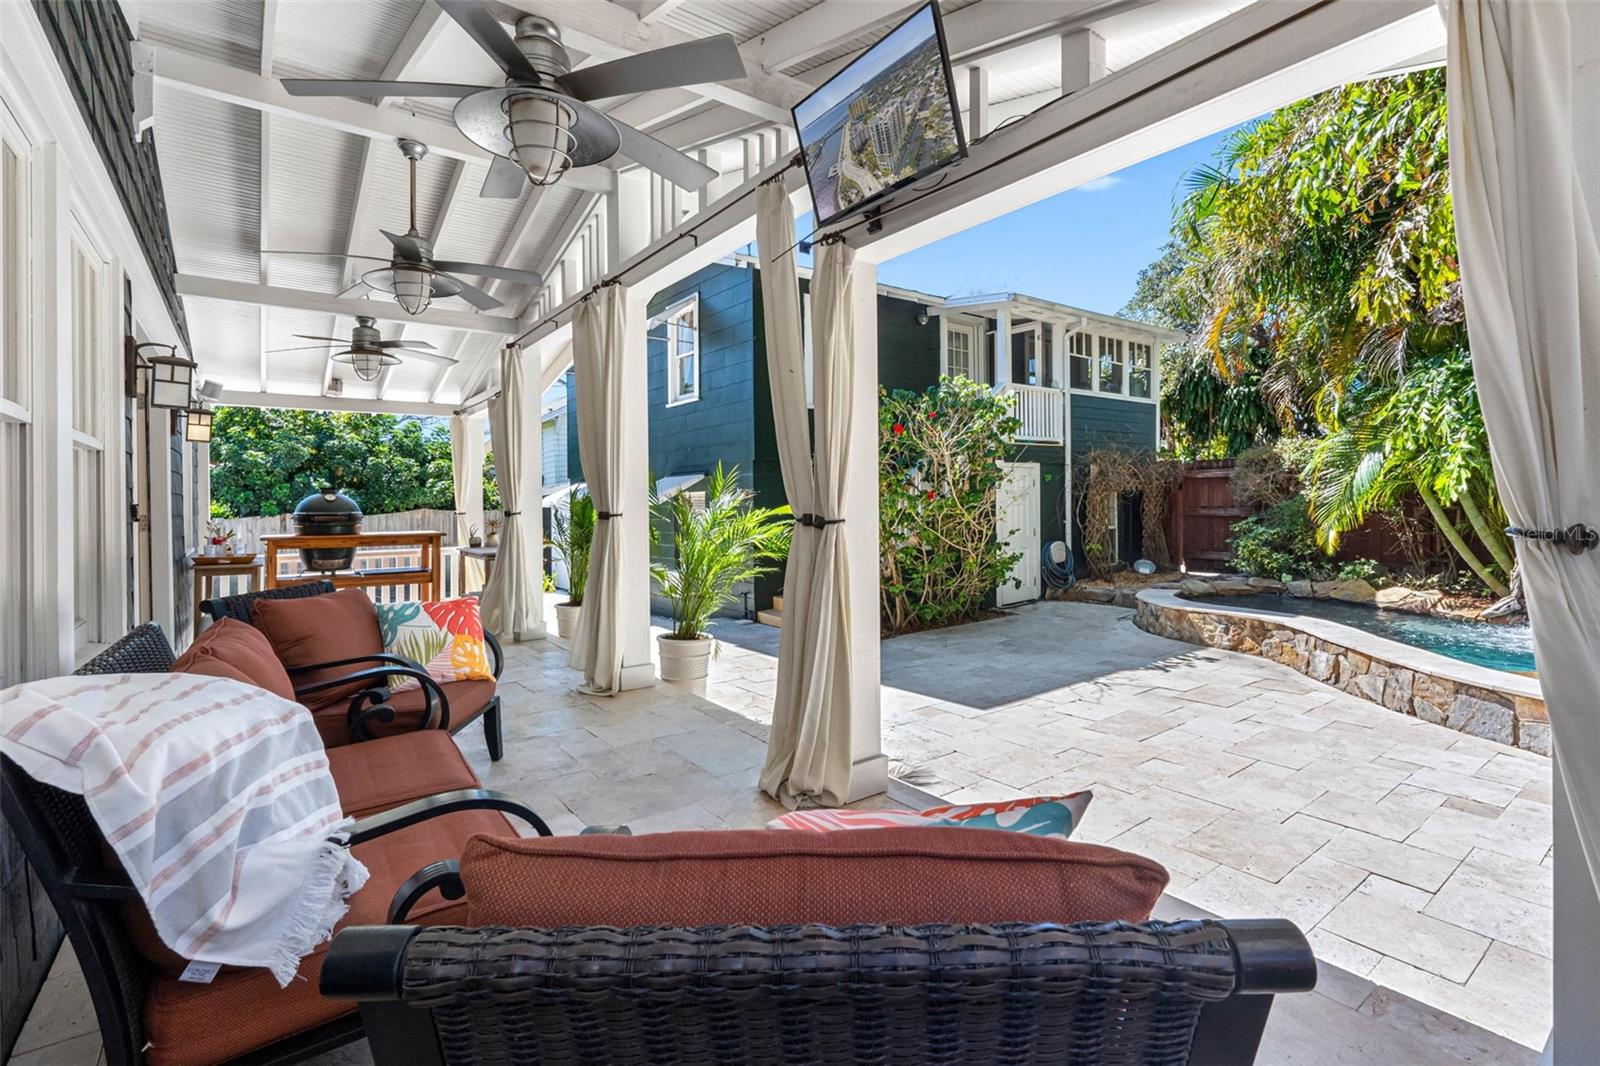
(474, 542)
(685, 660)
(567, 619)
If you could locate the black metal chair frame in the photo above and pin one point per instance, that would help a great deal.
(66, 850)
(1195, 992)
(370, 706)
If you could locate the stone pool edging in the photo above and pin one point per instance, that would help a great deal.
(1492, 704)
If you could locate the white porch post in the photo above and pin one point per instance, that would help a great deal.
(50, 645)
(977, 102)
(1002, 347)
(633, 436)
(869, 772)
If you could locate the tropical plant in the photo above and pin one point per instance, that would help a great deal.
(939, 455)
(1421, 435)
(1280, 543)
(715, 547)
(572, 532)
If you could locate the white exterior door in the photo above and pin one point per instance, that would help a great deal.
(1017, 529)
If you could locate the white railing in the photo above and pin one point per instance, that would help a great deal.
(290, 567)
(1040, 410)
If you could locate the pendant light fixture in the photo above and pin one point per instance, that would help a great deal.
(171, 377)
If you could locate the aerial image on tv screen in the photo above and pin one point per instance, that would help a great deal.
(882, 121)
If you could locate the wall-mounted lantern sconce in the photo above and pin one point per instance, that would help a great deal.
(171, 377)
(197, 430)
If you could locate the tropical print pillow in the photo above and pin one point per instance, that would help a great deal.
(446, 637)
(1045, 816)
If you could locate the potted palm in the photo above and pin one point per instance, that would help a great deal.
(715, 547)
(572, 532)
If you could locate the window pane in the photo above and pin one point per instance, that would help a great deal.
(1078, 371)
(1110, 364)
(1139, 370)
(87, 546)
(13, 289)
(958, 345)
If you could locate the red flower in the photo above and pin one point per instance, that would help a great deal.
(931, 494)
(932, 415)
(899, 429)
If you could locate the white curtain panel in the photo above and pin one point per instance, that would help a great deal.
(809, 747)
(463, 484)
(513, 602)
(598, 330)
(1531, 275)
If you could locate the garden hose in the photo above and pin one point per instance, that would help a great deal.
(1057, 565)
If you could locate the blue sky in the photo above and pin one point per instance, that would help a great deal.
(1083, 247)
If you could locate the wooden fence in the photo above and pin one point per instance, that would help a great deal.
(1204, 510)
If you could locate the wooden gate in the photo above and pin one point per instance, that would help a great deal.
(1202, 514)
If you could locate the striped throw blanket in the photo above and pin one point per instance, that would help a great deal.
(215, 795)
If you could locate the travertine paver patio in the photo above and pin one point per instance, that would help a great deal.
(1417, 858)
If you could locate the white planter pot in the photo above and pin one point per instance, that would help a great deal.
(685, 660)
(567, 619)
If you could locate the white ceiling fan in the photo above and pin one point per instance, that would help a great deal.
(413, 276)
(540, 124)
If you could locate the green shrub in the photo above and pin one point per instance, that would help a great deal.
(1368, 570)
(1281, 543)
(939, 455)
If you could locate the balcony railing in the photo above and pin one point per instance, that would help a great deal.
(290, 567)
(1040, 410)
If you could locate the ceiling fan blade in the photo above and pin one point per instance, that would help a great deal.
(693, 63)
(307, 348)
(409, 244)
(331, 340)
(491, 37)
(505, 180)
(322, 255)
(368, 89)
(477, 297)
(662, 158)
(485, 270)
(402, 344)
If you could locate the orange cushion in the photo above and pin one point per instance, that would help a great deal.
(762, 877)
(244, 1009)
(378, 774)
(320, 629)
(239, 652)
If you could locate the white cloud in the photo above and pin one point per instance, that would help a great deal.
(1100, 184)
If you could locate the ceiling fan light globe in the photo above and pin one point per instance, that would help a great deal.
(540, 132)
(413, 290)
(367, 365)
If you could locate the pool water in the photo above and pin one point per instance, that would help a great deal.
(1499, 646)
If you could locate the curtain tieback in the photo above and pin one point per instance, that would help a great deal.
(603, 515)
(816, 521)
(1577, 537)
(461, 514)
(512, 514)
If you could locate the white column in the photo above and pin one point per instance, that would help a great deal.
(473, 448)
(627, 217)
(532, 487)
(1576, 1034)
(633, 436)
(1083, 59)
(977, 102)
(1002, 348)
(870, 768)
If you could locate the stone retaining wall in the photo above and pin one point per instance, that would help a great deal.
(1400, 678)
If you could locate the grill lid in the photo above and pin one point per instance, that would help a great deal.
(327, 503)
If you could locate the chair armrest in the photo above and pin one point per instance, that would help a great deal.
(104, 886)
(444, 875)
(462, 799)
(366, 962)
(437, 714)
(497, 657)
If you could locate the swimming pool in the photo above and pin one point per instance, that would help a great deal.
(1498, 646)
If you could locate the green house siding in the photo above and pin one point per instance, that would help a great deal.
(1107, 422)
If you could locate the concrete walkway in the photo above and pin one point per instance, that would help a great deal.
(1416, 858)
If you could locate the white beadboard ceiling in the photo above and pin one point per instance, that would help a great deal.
(318, 182)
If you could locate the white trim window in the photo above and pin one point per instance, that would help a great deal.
(683, 351)
(1141, 375)
(1080, 361)
(1112, 366)
(960, 350)
(89, 399)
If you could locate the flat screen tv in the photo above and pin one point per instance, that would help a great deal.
(882, 122)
